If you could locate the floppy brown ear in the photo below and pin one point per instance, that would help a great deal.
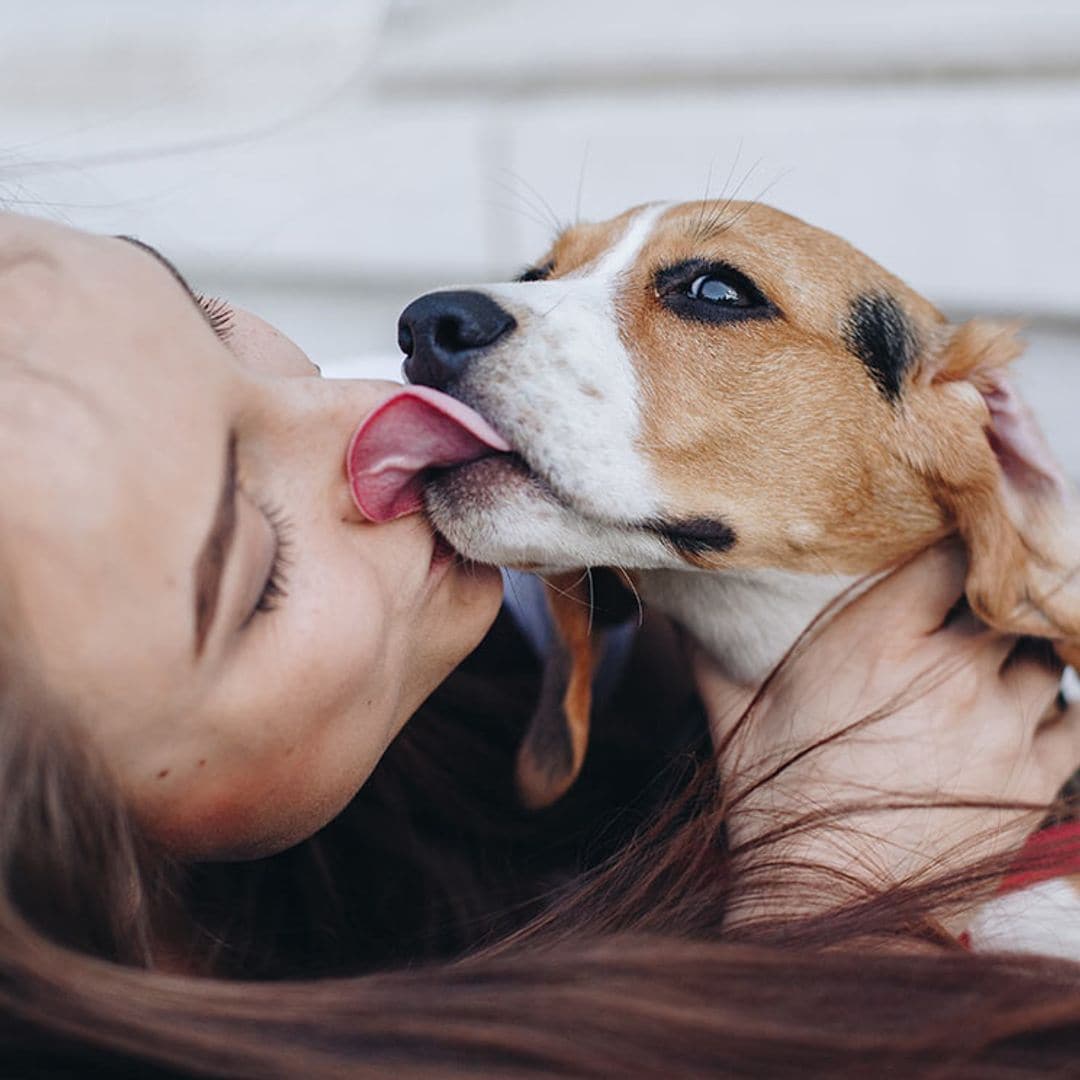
(552, 753)
(994, 473)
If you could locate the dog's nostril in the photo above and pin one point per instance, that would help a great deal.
(452, 335)
(405, 338)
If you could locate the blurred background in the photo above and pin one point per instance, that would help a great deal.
(322, 163)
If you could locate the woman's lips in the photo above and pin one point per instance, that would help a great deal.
(414, 430)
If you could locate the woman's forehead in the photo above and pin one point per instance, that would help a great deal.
(29, 280)
(111, 450)
(55, 286)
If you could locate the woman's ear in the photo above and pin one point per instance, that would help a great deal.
(992, 470)
(551, 755)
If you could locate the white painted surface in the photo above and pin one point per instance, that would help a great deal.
(522, 45)
(968, 192)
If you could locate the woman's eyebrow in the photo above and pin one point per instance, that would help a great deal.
(180, 279)
(210, 565)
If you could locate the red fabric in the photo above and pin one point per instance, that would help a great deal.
(1049, 853)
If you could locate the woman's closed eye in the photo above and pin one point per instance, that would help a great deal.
(218, 313)
(274, 587)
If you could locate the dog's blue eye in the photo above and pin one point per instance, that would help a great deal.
(711, 291)
(716, 291)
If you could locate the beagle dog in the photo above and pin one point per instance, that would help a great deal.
(744, 413)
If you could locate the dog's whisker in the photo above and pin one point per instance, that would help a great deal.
(529, 207)
(637, 596)
(701, 231)
(557, 223)
(731, 171)
(545, 314)
(519, 211)
(527, 199)
(717, 224)
(751, 203)
(565, 592)
(522, 207)
(704, 198)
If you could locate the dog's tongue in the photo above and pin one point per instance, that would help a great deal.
(415, 430)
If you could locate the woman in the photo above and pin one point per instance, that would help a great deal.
(207, 650)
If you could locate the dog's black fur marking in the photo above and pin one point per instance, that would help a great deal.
(696, 536)
(879, 333)
(536, 273)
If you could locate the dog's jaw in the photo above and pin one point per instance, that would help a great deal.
(497, 511)
(746, 620)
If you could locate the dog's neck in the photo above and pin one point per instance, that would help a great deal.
(745, 619)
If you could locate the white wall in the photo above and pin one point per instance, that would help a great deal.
(324, 162)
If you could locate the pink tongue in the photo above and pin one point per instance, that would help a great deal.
(416, 429)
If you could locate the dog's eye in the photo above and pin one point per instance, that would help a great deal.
(536, 273)
(716, 291)
(705, 291)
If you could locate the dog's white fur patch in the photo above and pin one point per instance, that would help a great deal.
(495, 515)
(1042, 919)
(564, 377)
(746, 619)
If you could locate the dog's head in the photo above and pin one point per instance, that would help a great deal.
(717, 386)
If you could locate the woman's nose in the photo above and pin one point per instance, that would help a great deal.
(306, 425)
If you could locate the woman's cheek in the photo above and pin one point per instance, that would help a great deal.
(355, 662)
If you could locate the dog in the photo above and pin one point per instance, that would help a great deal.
(743, 412)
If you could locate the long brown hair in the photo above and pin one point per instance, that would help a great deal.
(443, 932)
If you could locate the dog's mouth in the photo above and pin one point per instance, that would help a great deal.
(412, 437)
(420, 436)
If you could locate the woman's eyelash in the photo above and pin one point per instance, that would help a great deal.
(217, 313)
(274, 590)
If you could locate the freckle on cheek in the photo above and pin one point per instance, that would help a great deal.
(202, 762)
(161, 775)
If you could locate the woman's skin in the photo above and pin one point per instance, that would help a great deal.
(240, 726)
(965, 715)
(238, 734)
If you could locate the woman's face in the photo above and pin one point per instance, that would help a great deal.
(187, 565)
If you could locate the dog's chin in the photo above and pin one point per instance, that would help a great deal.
(496, 510)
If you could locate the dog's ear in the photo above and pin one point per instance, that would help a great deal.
(552, 753)
(991, 469)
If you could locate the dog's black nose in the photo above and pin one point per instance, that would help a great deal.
(442, 331)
